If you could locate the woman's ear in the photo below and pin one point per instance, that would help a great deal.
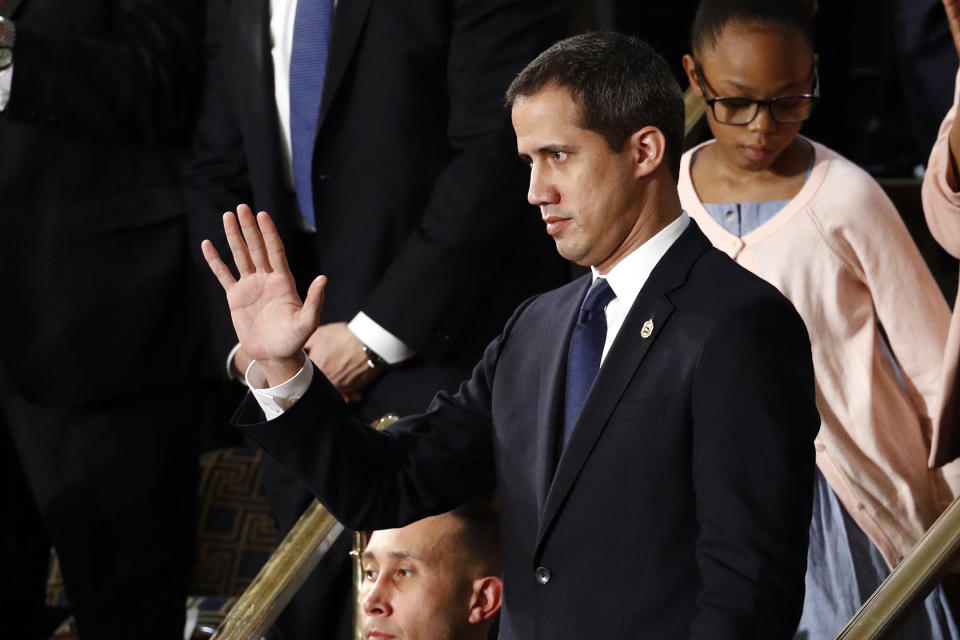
(486, 599)
(690, 67)
(649, 148)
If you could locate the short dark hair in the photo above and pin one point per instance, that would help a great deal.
(713, 15)
(481, 534)
(620, 83)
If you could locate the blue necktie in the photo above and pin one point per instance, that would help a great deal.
(308, 65)
(586, 347)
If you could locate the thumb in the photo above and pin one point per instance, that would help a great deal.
(313, 303)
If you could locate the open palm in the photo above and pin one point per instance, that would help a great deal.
(271, 322)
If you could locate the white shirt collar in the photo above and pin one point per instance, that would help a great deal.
(629, 275)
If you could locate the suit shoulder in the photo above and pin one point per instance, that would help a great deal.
(549, 301)
(720, 289)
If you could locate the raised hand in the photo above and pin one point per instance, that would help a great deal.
(271, 322)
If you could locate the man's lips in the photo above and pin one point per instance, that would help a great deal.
(379, 635)
(555, 224)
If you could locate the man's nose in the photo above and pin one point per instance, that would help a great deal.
(541, 190)
(374, 599)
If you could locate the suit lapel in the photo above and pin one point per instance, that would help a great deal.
(551, 389)
(620, 366)
(348, 22)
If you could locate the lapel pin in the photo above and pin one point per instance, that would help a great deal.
(647, 329)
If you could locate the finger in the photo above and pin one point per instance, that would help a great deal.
(313, 303)
(251, 234)
(952, 8)
(216, 265)
(237, 246)
(275, 251)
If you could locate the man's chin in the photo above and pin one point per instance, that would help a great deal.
(571, 254)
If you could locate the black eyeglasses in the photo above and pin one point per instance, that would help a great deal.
(742, 111)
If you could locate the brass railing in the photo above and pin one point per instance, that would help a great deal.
(694, 122)
(285, 571)
(910, 582)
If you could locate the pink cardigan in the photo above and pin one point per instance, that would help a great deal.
(841, 253)
(941, 205)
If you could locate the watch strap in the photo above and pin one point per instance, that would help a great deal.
(8, 33)
(374, 359)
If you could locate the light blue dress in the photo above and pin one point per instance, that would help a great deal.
(843, 566)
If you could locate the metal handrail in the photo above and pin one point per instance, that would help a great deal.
(285, 571)
(911, 582)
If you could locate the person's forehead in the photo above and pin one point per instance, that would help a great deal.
(553, 101)
(547, 119)
(751, 54)
(423, 540)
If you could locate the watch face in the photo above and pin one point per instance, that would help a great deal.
(6, 57)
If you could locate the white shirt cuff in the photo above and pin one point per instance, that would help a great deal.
(231, 370)
(276, 400)
(6, 80)
(382, 342)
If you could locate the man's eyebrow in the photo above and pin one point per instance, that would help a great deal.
(548, 149)
(396, 555)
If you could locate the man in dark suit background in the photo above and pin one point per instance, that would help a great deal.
(409, 197)
(96, 101)
(666, 494)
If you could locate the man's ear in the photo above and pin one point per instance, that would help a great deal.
(649, 148)
(690, 67)
(486, 598)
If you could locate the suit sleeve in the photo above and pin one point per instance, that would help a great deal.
(137, 79)
(471, 216)
(755, 418)
(420, 466)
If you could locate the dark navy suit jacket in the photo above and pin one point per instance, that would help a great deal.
(681, 504)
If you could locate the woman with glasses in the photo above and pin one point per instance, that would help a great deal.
(822, 231)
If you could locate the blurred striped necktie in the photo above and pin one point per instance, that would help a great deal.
(308, 64)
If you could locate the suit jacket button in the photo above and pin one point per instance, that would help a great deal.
(543, 575)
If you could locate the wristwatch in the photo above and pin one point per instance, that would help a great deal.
(374, 360)
(8, 35)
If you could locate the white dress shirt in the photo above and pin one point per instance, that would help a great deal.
(629, 275)
(626, 279)
(282, 16)
(6, 79)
